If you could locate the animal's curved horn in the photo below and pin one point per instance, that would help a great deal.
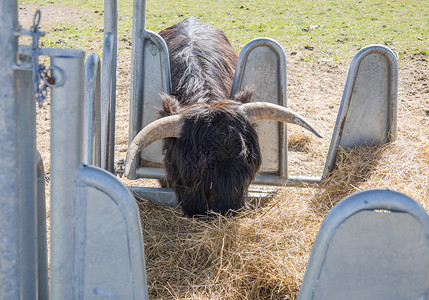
(258, 111)
(162, 128)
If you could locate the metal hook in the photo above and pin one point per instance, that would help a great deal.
(36, 20)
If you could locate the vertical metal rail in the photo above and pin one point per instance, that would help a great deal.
(136, 92)
(28, 202)
(42, 251)
(66, 156)
(150, 75)
(92, 116)
(10, 184)
(108, 109)
(18, 224)
(108, 99)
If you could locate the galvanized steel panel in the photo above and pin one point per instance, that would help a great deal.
(150, 77)
(376, 255)
(367, 114)
(155, 68)
(108, 252)
(262, 64)
(66, 156)
(372, 245)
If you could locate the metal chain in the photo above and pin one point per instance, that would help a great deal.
(40, 88)
(42, 75)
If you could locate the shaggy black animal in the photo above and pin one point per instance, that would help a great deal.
(202, 62)
(213, 162)
(211, 147)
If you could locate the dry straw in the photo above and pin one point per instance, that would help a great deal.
(262, 253)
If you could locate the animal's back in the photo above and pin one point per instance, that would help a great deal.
(202, 61)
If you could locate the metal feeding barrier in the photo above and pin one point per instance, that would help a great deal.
(367, 114)
(373, 244)
(94, 219)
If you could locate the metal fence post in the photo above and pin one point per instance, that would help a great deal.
(109, 84)
(150, 75)
(42, 251)
(136, 92)
(18, 225)
(9, 172)
(92, 122)
(108, 103)
(66, 155)
(28, 202)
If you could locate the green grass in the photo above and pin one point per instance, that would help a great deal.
(345, 26)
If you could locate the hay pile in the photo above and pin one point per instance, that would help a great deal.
(258, 255)
(262, 253)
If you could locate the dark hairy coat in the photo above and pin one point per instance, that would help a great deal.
(217, 154)
(202, 62)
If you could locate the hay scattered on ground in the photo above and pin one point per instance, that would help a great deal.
(262, 253)
(256, 255)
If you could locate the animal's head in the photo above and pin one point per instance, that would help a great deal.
(211, 151)
(215, 158)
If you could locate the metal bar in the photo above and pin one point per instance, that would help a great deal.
(28, 203)
(109, 79)
(150, 173)
(42, 252)
(92, 121)
(166, 196)
(136, 91)
(108, 103)
(66, 156)
(264, 179)
(111, 17)
(10, 183)
(137, 60)
(267, 179)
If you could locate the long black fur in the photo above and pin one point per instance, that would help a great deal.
(202, 62)
(217, 155)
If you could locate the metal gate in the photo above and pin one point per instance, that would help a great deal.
(95, 225)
